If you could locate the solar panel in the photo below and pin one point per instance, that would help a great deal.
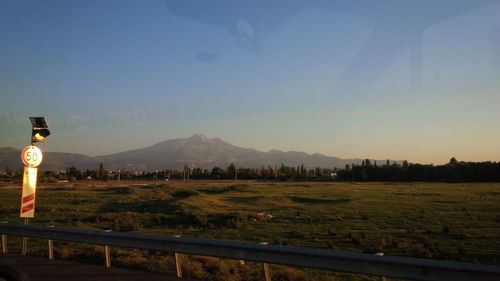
(39, 123)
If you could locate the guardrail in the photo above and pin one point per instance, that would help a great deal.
(399, 267)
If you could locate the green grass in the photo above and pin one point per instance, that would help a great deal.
(429, 220)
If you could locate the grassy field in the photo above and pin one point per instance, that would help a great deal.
(429, 220)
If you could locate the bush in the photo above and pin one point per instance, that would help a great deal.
(289, 274)
(180, 194)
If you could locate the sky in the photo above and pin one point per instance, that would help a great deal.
(415, 80)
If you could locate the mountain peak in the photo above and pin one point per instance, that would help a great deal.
(200, 137)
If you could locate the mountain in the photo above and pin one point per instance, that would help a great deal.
(197, 150)
(11, 158)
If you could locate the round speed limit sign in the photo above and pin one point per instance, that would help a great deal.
(31, 156)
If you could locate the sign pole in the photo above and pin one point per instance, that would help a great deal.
(31, 157)
(25, 240)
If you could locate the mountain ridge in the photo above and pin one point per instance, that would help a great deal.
(197, 150)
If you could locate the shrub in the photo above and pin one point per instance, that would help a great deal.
(289, 274)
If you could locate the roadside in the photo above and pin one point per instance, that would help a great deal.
(42, 269)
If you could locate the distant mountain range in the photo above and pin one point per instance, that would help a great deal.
(196, 150)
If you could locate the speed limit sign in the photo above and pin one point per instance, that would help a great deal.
(31, 156)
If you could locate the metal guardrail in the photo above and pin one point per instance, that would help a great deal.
(399, 267)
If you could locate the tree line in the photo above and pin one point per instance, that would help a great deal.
(454, 171)
(281, 172)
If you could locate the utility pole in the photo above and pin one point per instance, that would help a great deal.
(156, 178)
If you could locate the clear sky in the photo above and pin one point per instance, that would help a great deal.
(415, 79)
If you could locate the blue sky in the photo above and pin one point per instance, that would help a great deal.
(368, 79)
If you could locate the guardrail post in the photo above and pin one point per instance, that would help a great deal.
(24, 249)
(51, 249)
(4, 241)
(177, 258)
(4, 244)
(265, 267)
(178, 268)
(50, 243)
(267, 275)
(107, 253)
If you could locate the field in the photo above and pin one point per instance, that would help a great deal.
(429, 220)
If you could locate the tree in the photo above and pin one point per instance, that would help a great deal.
(217, 172)
(231, 171)
(73, 173)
